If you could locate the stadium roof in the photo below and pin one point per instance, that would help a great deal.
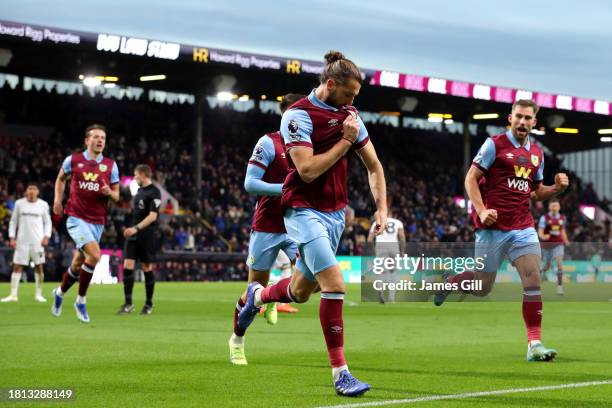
(537, 45)
(61, 54)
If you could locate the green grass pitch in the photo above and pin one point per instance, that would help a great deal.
(179, 356)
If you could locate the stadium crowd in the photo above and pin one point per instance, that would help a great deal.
(421, 189)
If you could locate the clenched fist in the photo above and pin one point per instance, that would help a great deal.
(350, 127)
(488, 217)
(561, 182)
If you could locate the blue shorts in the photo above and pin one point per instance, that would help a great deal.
(264, 247)
(550, 253)
(494, 245)
(83, 232)
(317, 234)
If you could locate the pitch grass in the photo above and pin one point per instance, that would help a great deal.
(179, 356)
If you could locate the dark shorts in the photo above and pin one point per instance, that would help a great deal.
(141, 248)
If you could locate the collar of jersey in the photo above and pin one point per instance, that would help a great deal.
(515, 142)
(317, 102)
(98, 160)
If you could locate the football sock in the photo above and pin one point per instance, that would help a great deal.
(149, 287)
(128, 285)
(532, 312)
(280, 292)
(15, 278)
(462, 277)
(38, 279)
(237, 330)
(68, 280)
(85, 275)
(330, 315)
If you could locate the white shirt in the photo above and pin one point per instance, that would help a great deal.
(30, 222)
(391, 233)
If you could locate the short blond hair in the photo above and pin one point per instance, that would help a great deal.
(526, 103)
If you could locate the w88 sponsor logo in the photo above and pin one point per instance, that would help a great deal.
(518, 184)
(89, 185)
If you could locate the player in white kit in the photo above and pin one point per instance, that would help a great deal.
(389, 244)
(29, 233)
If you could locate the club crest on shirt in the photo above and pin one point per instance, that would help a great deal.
(103, 167)
(535, 160)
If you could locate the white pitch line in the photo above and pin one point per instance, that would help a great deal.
(469, 395)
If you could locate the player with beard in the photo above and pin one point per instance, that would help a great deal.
(320, 132)
(506, 172)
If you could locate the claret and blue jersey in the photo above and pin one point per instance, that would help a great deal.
(266, 172)
(315, 212)
(87, 206)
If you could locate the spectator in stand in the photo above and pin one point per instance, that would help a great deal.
(180, 237)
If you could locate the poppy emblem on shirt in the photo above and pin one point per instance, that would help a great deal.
(535, 160)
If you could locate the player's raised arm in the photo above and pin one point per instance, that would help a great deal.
(378, 185)
(113, 191)
(263, 154)
(296, 129)
(543, 193)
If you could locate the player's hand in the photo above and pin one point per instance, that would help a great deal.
(129, 232)
(106, 190)
(561, 182)
(58, 209)
(488, 217)
(12, 243)
(380, 219)
(45, 241)
(350, 127)
(545, 237)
